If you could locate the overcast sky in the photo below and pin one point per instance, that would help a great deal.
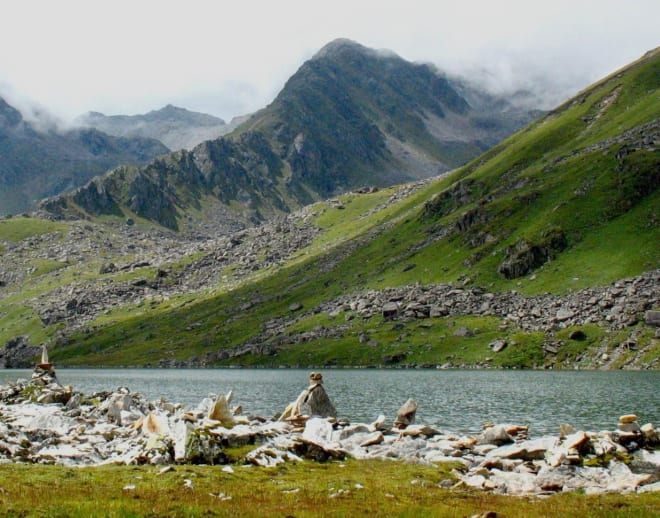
(228, 58)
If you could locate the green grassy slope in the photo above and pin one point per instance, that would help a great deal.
(569, 202)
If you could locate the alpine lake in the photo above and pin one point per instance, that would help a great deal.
(459, 401)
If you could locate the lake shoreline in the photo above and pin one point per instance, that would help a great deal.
(46, 422)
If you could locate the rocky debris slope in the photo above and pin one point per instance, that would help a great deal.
(242, 253)
(618, 306)
(94, 268)
(43, 422)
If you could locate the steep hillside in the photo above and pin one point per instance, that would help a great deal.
(350, 117)
(544, 252)
(37, 163)
(175, 127)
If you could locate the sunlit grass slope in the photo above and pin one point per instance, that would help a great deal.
(579, 188)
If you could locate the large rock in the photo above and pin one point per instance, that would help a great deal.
(390, 310)
(534, 449)
(220, 410)
(653, 318)
(495, 435)
(318, 430)
(498, 345)
(315, 401)
(406, 414)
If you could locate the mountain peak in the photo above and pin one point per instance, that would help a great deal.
(170, 109)
(345, 46)
(338, 45)
(177, 114)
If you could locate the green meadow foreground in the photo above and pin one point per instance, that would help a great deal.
(352, 488)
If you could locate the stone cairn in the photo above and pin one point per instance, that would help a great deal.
(43, 387)
(313, 401)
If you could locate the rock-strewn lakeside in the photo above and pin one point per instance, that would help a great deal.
(44, 422)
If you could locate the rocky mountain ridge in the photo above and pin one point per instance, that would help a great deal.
(177, 128)
(37, 163)
(348, 118)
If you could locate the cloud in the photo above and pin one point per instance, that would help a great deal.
(227, 58)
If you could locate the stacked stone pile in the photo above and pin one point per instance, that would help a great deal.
(43, 422)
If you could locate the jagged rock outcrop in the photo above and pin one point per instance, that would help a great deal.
(46, 161)
(215, 174)
(525, 257)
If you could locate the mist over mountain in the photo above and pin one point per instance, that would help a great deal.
(352, 116)
(349, 117)
(175, 127)
(39, 160)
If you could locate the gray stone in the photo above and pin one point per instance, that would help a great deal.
(497, 435)
(390, 310)
(629, 427)
(564, 314)
(437, 311)
(498, 345)
(406, 414)
(652, 318)
(525, 450)
(463, 332)
(372, 439)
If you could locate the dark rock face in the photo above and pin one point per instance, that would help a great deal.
(446, 202)
(17, 353)
(525, 257)
(37, 164)
(94, 195)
